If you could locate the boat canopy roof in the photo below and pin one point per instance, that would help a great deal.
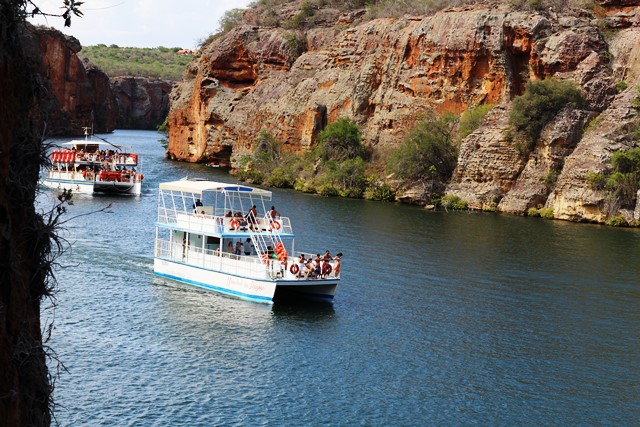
(100, 144)
(197, 187)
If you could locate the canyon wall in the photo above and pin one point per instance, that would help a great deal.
(384, 73)
(75, 94)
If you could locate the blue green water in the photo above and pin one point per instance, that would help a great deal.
(440, 319)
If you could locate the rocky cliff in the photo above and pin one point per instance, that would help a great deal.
(383, 73)
(141, 103)
(75, 94)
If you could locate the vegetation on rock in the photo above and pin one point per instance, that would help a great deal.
(336, 166)
(540, 103)
(159, 62)
(429, 152)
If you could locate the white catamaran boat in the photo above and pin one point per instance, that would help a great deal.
(89, 166)
(201, 242)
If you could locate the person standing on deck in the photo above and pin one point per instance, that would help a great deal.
(252, 215)
(247, 247)
(273, 213)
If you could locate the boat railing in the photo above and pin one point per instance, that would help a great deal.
(241, 265)
(201, 219)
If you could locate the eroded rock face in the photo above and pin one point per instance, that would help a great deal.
(384, 73)
(381, 73)
(141, 103)
(75, 94)
(67, 97)
(573, 197)
(554, 175)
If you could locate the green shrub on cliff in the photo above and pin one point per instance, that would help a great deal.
(341, 140)
(624, 181)
(428, 151)
(539, 105)
(230, 20)
(471, 119)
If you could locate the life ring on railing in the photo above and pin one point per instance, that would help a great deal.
(282, 256)
(294, 269)
(275, 224)
(140, 177)
(326, 268)
(234, 224)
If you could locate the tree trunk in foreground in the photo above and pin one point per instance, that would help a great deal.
(25, 392)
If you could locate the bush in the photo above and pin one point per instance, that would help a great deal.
(471, 119)
(546, 213)
(341, 140)
(297, 45)
(454, 202)
(617, 221)
(541, 102)
(542, 212)
(621, 86)
(428, 152)
(348, 176)
(489, 207)
(596, 180)
(230, 20)
(377, 191)
(624, 181)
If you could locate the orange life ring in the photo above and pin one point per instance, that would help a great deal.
(275, 224)
(234, 224)
(326, 268)
(140, 177)
(294, 269)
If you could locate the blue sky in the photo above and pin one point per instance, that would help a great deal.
(142, 23)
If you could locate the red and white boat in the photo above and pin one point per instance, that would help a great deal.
(89, 166)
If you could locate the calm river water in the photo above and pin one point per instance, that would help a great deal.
(440, 319)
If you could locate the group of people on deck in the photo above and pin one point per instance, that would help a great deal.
(251, 218)
(240, 247)
(318, 267)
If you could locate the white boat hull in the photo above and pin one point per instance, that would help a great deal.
(248, 288)
(91, 187)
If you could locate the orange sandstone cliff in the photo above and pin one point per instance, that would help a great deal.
(384, 73)
(74, 94)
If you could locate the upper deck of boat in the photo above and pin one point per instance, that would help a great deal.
(179, 208)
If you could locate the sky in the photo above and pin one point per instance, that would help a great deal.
(141, 23)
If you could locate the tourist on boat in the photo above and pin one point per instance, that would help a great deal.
(327, 256)
(197, 203)
(317, 268)
(230, 247)
(238, 247)
(336, 265)
(273, 213)
(228, 214)
(251, 216)
(247, 247)
(301, 265)
(308, 269)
